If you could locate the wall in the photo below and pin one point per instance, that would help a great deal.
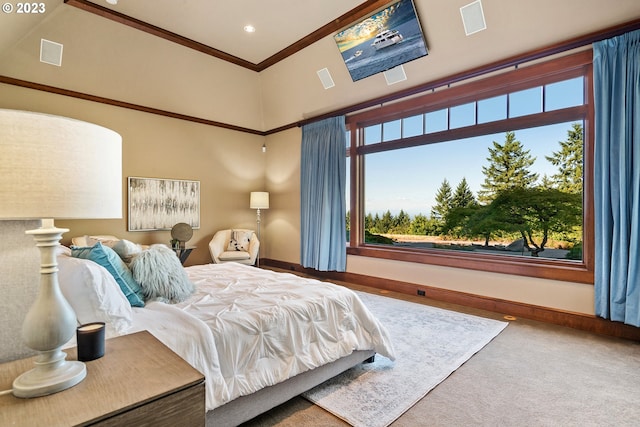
(107, 59)
(228, 164)
(281, 236)
(19, 283)
(283, 180)
(104, 58)
(291, 90)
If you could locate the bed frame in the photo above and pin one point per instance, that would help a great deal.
(247, 407)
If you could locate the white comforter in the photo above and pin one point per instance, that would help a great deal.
(246, 328)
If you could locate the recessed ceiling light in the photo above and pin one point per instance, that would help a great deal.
(249, 28)
(112, 1)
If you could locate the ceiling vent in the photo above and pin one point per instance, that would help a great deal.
(50, 52)
(325, 78)
(473, 18)
(395, 75)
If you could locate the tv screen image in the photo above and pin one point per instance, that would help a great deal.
(382, 41)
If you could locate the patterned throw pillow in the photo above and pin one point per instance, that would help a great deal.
(240, 240)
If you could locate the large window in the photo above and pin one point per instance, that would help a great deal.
(491, 175)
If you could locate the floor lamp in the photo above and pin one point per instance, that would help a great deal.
(55, 167)
(259, 200)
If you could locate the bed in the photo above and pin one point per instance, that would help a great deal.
(259, 337)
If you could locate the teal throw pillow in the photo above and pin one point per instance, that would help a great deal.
(109, 259)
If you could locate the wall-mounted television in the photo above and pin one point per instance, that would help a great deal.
(383, 40)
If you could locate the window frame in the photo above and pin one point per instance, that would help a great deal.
(522, 77)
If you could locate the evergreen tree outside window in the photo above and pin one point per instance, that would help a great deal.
(570, 162)
(444, 199)
(463, 196)
(509, 167)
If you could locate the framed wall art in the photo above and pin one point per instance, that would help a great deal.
(383, 40)
(159, 204)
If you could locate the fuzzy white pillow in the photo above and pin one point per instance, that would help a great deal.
(161, 275)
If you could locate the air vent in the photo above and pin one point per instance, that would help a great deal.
(473, 18)
(50, 52)
(395, 75)
(325, 78)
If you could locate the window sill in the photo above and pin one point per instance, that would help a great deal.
(520, 266)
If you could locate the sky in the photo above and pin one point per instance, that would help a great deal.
(409, 179)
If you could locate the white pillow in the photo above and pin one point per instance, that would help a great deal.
(62, 250)
(93, 293)
(126, 249)
(89, 241)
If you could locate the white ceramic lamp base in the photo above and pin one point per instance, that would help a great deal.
(49, 324)
(49, 376)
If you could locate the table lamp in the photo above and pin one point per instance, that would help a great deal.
(55, 167)
(259, 200)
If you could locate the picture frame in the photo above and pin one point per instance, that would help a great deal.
(161, 203)
(382, 40)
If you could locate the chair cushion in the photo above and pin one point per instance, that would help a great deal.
(233, 255)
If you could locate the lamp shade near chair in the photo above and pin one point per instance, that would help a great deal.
(55, 168)
(259, 200)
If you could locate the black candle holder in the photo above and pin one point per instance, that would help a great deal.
(90, 338)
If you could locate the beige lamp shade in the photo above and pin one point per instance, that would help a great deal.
(259, 200)
(56, 167)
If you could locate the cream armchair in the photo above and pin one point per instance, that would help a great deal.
(220, 243)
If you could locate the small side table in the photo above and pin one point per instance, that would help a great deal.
(139, 381)
(183, 253)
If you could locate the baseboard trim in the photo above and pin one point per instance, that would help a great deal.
(579, 321)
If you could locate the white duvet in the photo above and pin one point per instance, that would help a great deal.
(246, 328)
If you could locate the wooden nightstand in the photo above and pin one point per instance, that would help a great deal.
(138, 382)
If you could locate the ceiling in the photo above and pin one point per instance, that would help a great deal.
(292, 42)
(282, 27)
